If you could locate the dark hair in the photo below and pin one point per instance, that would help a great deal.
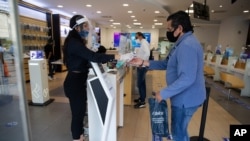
(140, 34)
(181, 18)
(73, 20)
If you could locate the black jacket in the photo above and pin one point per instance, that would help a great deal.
(77, 55)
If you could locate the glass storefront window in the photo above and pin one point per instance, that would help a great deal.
(14, 119)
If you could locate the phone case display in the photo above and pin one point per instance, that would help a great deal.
(34, 33)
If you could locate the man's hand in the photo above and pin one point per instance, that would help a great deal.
(158, 96)
(136, 61)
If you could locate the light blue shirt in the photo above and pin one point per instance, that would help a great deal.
(184, 73)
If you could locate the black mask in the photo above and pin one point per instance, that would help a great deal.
(171, 37)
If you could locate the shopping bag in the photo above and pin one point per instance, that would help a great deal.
(159, 117)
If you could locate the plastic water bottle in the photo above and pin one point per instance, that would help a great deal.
(156, 138)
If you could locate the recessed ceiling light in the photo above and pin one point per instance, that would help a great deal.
(137, 23)
(130, 11)
(221, 6)
(125, 4)
(135, 20)
(155, 20)
(158, 23)
(212, 11)
(111, 20)
(60, 6)
(74, 12)
(98, 12)
(246, 11)
(111, 25)
(88, 5)
(132, 16)
(141, 27)
(116, 23)
(157, 12)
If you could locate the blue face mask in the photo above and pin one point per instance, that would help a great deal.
(84, 33)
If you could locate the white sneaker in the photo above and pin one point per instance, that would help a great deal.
(50, 78)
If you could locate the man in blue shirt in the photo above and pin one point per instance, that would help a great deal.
(184, 74)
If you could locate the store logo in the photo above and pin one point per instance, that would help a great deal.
(239, 132)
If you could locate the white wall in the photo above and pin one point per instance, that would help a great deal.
(107, 35)
(233, 32)
(4, 26)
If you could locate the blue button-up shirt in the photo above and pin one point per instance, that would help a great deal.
(184, 72)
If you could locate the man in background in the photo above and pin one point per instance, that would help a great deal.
(48, 49)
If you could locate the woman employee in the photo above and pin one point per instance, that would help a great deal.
(76, 58)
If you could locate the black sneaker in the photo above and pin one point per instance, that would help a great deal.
(137, 100)
(140, 105)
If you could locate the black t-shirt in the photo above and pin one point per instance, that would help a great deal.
(47, 49)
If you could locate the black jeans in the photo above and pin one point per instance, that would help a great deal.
(141, 82)
(75, 89)
(52, 68)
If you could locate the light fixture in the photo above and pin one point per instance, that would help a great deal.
(116, 23)
(155, 20)
(157, 12)
(88, 5)
(135, 20)
(158, 23)
(137, 23)
(98, 12)
(74, 12)
(111, 20)
(130, 11)
(189, 11)
(132, 16)
(60, 6)
(246, 11)
(125, 5)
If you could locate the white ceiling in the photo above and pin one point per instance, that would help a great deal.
(143, 10)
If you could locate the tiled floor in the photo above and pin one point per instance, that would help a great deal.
(52, 122)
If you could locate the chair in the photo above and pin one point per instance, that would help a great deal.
(231, 82)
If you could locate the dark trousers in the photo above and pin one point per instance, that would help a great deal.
(75, 89)
(52, 68)
(141, 82)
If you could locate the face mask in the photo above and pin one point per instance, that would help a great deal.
(171, 37)
(84, 33)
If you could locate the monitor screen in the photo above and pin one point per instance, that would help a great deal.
(36, 54)
(201, 11)
(101, 98)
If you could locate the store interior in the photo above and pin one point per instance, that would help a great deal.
(226, 71)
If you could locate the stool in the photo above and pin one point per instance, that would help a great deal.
(208, 71)
(231, 82)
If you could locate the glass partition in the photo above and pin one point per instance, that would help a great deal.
(14, 117)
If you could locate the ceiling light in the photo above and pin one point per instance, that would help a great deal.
(111, 25)
(88, 5)
(155, 20)
(212, 11)
(125, 4)
(132, 16)
(60, 6)
(192, 5)
(135, 20)
(157, 12)
(141, 27)
(98, 12)
(153, 26)
(246, 11)
(137, 23)
(111, 20)
(74, 12)
(116, 23)
(130, 11)
(158, 23)
(221, 6)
